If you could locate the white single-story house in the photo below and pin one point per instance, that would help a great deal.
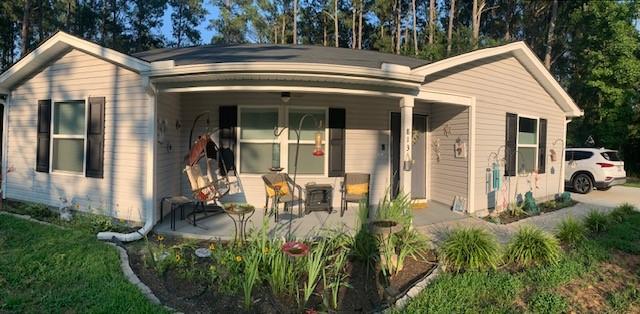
(107, 131)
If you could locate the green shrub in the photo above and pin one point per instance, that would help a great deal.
(571, 231)
(596, 221)
(620, 213)
(470, 249)
(547, 302)
(532, 246)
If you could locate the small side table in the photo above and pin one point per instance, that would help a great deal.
(175, 202)
(239, 214)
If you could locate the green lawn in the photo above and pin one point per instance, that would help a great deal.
(633, 182)
(539, 290)
(46, 269)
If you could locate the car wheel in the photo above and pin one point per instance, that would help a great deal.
(582, 183)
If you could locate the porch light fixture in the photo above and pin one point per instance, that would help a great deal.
(285, 96)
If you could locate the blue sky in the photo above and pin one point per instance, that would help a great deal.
(205, 33)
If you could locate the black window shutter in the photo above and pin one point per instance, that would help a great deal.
(337, 125)
(542, 146)
(228, 122)
(44, 135)
(95, 138)
(511, 137)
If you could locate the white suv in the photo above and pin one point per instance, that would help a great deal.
(586, 168)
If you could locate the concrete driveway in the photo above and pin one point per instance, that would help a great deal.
(615, 196)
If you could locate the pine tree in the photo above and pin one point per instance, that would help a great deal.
(185, 18)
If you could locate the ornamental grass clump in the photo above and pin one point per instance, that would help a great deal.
(571, 231)
(470, 249)
(622, 212)
(596, 221)
(531, 246)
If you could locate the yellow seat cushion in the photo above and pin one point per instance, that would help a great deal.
(358, 189)
(284, 189)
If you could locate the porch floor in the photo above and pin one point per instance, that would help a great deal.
(221, 227)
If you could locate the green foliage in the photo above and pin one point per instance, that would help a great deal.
(46, 269)
(623, 236)
(622, 212)
(410, 243)
(596, 221)
(470, 249)
(547, 302)
(251, 267)
(531, 246)
(314, 264)
(396, 209)
(621, 300)
(571, 231)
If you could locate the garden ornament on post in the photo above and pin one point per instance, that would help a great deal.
(318, 151)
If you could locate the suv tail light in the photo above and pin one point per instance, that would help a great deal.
(605, 165)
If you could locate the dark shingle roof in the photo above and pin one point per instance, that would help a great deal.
(276, 53)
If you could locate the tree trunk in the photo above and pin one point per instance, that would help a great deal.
(398, 25)
(476, 15)
(432, 22)
(452, 12)
(24, 33)
(282, 36)
(507, 20)
(415, 29)
(360, 24)
(335, 22)
(353, 27)
(550, 36)
(324, 30)
(295, 22)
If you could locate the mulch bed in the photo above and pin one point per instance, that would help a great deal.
(365, 293)
(506, 217)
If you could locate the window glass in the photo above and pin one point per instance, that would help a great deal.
(526, 159)
(256, 157)
(68, 118)
(568, 156)
(307, 162)
(258, 123)
(528, 131)
(581, 155)
(309, 125)
(68, 136)
(611, 156)
(68, 154)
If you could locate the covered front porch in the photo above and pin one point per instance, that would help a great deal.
(221, 227)
(380, 139)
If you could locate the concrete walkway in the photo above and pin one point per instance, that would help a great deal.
(547, 221)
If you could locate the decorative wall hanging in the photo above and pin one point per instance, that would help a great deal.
(552, 155)
(435, 144)
(460, 149)
(447, 130)
(162, 130)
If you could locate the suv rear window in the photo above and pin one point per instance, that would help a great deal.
(611, 156)
(578, 155)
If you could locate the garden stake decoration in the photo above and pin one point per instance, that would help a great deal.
(317, 152)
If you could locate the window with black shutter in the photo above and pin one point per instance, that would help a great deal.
(44, 133)
(542, 146)
(95, 138)
(337, 135)
(511, 142)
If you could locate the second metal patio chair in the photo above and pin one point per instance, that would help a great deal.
(280, 188)
(355, 189)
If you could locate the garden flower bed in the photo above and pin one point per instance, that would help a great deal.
(361, 271)
(517, 212)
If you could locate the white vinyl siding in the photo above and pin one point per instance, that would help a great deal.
(75, 76)
(503, 85)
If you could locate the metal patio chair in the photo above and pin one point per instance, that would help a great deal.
(280, 189)
(354, 189)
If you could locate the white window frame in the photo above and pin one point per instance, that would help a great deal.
(67, 136)
(536, 145)
(283, 139)
(325, 172)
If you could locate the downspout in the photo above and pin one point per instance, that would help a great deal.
(149, 211)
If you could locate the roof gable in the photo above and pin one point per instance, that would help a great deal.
(526, 57)
(56, 45)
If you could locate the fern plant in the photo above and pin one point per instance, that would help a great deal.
(470, 249)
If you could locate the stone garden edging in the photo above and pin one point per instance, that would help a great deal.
(133, 278)
(401, 302)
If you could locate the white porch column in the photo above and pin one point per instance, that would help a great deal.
(406, 127)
